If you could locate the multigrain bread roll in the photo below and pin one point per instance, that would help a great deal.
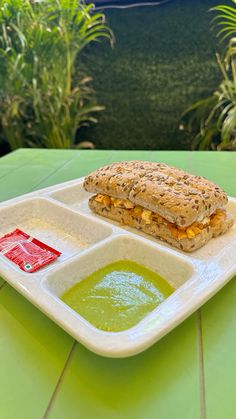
(168, 203)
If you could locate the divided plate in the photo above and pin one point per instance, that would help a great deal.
(60, 217)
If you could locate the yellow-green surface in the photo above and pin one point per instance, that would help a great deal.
(118, 295)
(189, 374)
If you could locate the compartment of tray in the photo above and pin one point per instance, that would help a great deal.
(74, 196)
(173, 268)
(59, 227)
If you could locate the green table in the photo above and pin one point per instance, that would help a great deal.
(191, 373)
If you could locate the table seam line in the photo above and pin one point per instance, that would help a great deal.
(202, 388)
(18, 167)
(2, 285)
(32, 189)
(60, 381)
(52, 173)
(48, 176)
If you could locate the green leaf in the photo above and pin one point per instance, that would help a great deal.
(45, 98)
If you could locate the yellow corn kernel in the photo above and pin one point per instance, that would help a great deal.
(215, 220)
(181, 228)
(106, 200)
(201, 226)
(196, 230)
(99, 198)
(219, 211)
(118, 203)
(190, 233)
(147, 216)
(182, 234)
(174, 231)
(128, 204)
(158, 218)
(137, 210)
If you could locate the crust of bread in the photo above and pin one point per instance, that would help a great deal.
(160, 231)
(179, 197)
(117, 179)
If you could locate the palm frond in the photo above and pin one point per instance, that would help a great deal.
(44, 97)
(215, 116)
(226, 17)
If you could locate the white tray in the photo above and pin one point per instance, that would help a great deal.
(60, 216)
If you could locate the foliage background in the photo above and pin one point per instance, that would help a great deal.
(163, 61)
(45, 96)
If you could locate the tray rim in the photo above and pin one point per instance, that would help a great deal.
(114, 346)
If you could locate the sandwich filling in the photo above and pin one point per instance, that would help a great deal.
(147, 217)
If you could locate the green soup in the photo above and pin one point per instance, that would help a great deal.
(117, 296)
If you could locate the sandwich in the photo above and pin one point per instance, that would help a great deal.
(184, 210)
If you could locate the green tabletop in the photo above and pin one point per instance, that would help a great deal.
(189, 374)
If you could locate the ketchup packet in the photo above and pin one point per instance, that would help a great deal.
(27, 252)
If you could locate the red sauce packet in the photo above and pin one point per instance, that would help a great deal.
(27, 252)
